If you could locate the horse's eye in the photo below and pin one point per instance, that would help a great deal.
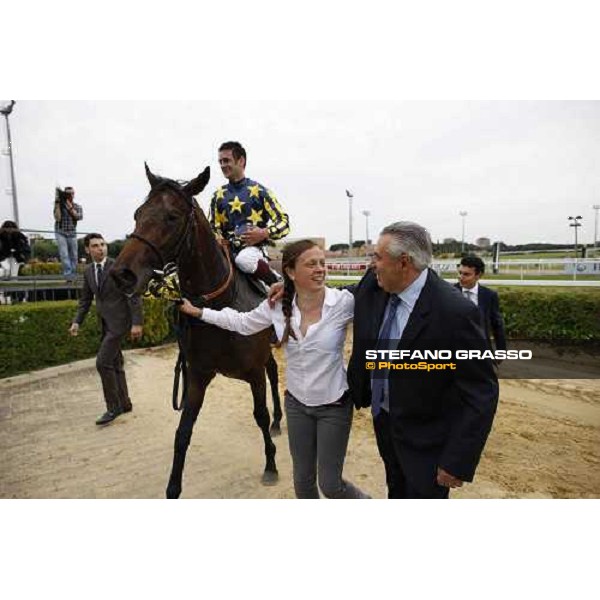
(172, 218)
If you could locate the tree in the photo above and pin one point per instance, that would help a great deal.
(338, 247)
(115, 247)
(42, 249)
(358, 244)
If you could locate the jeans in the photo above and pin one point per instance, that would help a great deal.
(318, 438)
(67, 249)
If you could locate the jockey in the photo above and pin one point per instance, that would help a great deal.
(246, 214)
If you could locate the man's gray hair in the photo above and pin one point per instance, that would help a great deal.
(411, 239)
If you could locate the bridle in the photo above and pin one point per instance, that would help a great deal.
(204, 298)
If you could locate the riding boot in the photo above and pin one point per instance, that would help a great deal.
(265, 274)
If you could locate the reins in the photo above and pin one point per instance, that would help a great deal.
(223, 287)
(180, 370)
(224, 245)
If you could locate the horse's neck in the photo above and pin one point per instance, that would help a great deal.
(203, 267)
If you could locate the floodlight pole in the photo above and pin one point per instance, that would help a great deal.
(367, 214)
(463, 214)
(6, 111)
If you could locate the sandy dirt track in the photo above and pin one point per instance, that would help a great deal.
(545, 442)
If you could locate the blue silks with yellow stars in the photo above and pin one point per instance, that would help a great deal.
(246, 202)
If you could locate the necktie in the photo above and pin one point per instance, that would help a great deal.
(378, 384)
(469, 295)
(99, 274)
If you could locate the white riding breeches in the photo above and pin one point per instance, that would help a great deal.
(247, 258)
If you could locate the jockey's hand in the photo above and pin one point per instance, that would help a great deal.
(275, 294)
(136, 332)
(446, 480)
(254, 235)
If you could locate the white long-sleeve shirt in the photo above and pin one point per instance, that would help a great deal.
(315, 369)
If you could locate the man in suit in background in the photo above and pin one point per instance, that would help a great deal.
(119, 314)
(470, 270)
(430, 427)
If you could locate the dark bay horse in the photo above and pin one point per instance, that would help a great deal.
(171, 227)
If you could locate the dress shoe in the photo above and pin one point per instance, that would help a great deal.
(107, 417)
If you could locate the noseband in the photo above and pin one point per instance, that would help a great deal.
(182, 239)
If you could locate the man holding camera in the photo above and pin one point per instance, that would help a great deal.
(66, 215)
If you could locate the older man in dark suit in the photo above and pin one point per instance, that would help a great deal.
(431, 427)
(119, 314)
(470, 270)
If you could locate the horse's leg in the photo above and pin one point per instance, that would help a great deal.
(261, 416)
(191, 409)
(273, 375)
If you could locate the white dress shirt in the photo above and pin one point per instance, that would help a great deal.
(315, 369)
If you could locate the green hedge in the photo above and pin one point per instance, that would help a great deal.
(46, 268)
(553, 314)
(35, 335)
(557, 314)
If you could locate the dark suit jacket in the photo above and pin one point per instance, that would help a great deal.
(117, 311)
(489, 307)
(437, 419)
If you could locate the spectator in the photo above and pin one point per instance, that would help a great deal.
(14, 249)
(118, 314)
(66, 215)
(430, 428)
(470, 270)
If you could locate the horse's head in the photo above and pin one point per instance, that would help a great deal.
(162, 227)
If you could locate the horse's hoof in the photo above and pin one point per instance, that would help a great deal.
(173, 492)
(270, 478)
(275, 430)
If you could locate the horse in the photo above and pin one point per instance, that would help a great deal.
(170, 226)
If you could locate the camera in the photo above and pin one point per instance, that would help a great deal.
(60, 197)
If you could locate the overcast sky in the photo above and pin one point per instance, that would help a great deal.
(518, 168)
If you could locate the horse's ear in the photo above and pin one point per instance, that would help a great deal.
(152, 178)
(195, 186)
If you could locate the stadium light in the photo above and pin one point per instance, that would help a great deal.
(367, 214)
(596, 208)
(6, 110)
(575, 224)
(463, 214)
(350, 195)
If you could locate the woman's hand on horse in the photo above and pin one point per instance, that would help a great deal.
(187, 308)
(275, 293)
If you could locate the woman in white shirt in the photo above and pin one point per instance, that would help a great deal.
(311, 322)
